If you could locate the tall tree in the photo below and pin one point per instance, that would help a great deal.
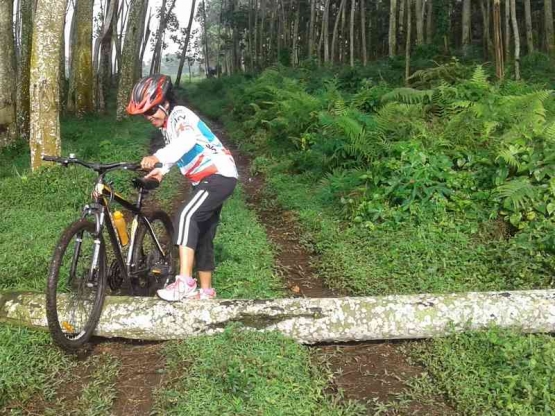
(82, 56)
(311, 28)
(393, 29)
(408, 45)
(324, 32)
(103, 56)
(185, 44)
(517, 39)
(498, 40)
(528, 18)
(466, 22)
(164, 17)
(8, 127)
(507, 31)
(363, 32)
(23, 68)
(549, 35)
(429, 22)
(44, 84)
(420, 11)
(352, 32)
(130, 52)
(336, 27)
(205, 32)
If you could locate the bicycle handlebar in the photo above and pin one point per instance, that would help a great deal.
(97, 167)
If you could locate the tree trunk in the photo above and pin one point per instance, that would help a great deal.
(205, 31)
(498, 39)
(430, 23)
(23, 69)
(352, 33)
(325, 31)
(401, 24)
(102, 53)
(146, 38)
(311, 28)
(157, 57)
(466, 21)
(131, 49)
(8, 125)
(549, 35)
(255, 42)
(82, 57)
(408, 45)
(393, 29)
(419, 6)
(507, 30)
(117, 37)
(485, 7)
(528, 18)
(44, 80)
(307, 320)
(336, 29)
(363, 32)
(517, 39)
(185, 44)
(296, 36)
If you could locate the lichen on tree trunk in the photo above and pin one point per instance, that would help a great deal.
(8, 129)
(308, 320)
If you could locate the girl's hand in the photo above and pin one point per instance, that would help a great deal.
(148, 162)
(155, 174)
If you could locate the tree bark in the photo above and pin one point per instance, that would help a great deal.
(352, 34)
(205, 31)
(498, 40)
(419, 5)
(8, 125)
(296, 36)
(23, 69)
(185, 44)
(308, 320)
(157, 58)
(485, 7)
(517, 39)
(131, 50)
(102, 57)
(336, 29)
(363, 32)
(466, 21)
(325, 31)
(393, 29)
(146, 38)
(549, 35)
(430, 23)
(507, 32)
(311, 28)
(44, 80)
(528, 18)
(82, 57)
(408, 45)
(401, 24)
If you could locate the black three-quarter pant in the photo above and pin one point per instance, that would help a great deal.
(197, 220)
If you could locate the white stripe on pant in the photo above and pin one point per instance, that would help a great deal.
(188, 211)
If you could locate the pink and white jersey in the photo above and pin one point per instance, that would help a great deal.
(193, 147)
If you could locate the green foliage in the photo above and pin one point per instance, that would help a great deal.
(30, 365)
(240, 372)
(494, 372)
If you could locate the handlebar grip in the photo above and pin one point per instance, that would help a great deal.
(50, 158)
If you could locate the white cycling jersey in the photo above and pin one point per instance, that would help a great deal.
(193, 147)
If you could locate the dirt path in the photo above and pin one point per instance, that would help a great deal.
(373, 373)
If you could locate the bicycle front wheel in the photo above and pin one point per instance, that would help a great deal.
(76, 285)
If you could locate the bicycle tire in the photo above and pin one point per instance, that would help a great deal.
(143, 258)
(92, 290)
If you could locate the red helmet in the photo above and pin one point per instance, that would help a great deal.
(149, 92)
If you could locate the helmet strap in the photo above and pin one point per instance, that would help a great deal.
(161, 107)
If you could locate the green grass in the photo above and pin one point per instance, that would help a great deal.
(494, 372)
(239, 373)
(31, 366)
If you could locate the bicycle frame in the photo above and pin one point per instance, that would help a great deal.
(103, 196)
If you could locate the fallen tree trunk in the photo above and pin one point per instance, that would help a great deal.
(308, 320)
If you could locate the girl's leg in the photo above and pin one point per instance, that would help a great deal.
(205, 250)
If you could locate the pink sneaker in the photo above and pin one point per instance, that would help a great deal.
(204, 294)
(182, 288)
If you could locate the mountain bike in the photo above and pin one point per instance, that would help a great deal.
(79, 272)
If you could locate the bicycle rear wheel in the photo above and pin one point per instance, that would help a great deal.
(152, 269)
(76, 285)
